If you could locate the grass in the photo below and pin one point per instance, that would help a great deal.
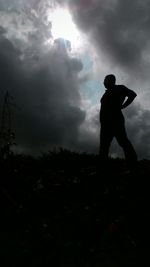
(60, 209)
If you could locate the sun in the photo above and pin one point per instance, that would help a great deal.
(64, 27)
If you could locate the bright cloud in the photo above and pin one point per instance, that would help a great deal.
(64, 27)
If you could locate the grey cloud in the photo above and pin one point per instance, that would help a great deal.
(45, 89)
(138, 125)
(119, 29)
(138, 131)
(9, 63)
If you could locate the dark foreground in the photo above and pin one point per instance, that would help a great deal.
(57, 210)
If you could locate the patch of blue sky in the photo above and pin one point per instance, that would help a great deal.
(87, 62)
(91, 90)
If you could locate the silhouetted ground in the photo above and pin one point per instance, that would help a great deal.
(61, 210)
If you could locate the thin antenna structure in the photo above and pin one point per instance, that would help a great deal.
(7, 135)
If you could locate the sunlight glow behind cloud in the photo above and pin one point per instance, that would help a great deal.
(64, 27)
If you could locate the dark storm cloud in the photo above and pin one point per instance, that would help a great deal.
(138, 125)
(119, 29)
(44, 86)
(9, 61)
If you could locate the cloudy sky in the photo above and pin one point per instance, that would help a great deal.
(54, 56)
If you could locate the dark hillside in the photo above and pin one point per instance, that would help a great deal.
(61, 209)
